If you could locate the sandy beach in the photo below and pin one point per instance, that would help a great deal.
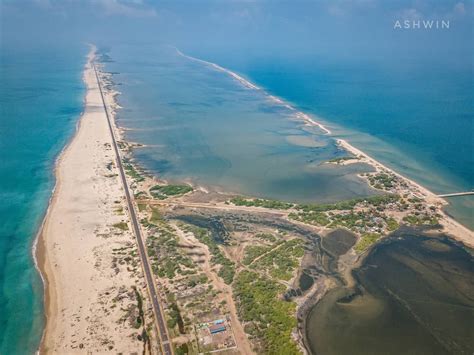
(90, 295)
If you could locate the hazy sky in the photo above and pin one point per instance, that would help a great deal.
(338, 29)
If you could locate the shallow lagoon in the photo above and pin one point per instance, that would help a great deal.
(202, 125)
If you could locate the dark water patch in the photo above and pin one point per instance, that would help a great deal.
(414, 295)
(305, 281)
(339, 241)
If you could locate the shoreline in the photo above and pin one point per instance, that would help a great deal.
(38, 248)
(450, 224)
(75, 247)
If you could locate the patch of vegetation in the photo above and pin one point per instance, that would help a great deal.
(392, 224)
(156, 216)
(282, 260)
(165, 256)
(377, 200)
(316, 218)
(266, 315)
(140, 195)
(140, 321)
(175, 318)
(110, 165)
(420, 219)
(121, 225)
(257, 202)
(254, 251)
(131, 171)
(382, 181)
(164, 191)
(366, 241)
(141, 207)
(341, 159)
(183, 349)
(266, 237)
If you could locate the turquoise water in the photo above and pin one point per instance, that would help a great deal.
(201, 124)
(414, 114)
(41, 97)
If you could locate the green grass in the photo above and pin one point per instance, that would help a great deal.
(316, 218)
(121, 225)
(132, 172)
(392, 224)
(164, 191)
(366, 241)
(274, 204)
(156, 216)
(141, 207)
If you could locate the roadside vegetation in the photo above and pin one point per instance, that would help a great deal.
(166, 258)
(131, 171)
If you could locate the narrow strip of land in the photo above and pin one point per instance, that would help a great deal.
(159, 316)
(454, 194)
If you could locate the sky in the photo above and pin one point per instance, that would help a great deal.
(358, 29)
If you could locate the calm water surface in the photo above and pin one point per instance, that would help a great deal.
(202, 125)
(415, 295)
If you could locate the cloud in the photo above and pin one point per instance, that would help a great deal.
(131, 8)
(411, 14)
(459, 9)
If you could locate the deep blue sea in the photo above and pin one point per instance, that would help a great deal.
(41, 98)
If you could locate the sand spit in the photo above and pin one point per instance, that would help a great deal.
(451, 226)
(85, 251)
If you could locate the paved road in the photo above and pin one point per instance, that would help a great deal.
(159, 317)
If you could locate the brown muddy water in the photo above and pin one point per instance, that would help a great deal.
(414, 295)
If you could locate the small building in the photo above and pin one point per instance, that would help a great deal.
(216, 328)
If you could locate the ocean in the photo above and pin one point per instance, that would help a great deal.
(41, 98)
